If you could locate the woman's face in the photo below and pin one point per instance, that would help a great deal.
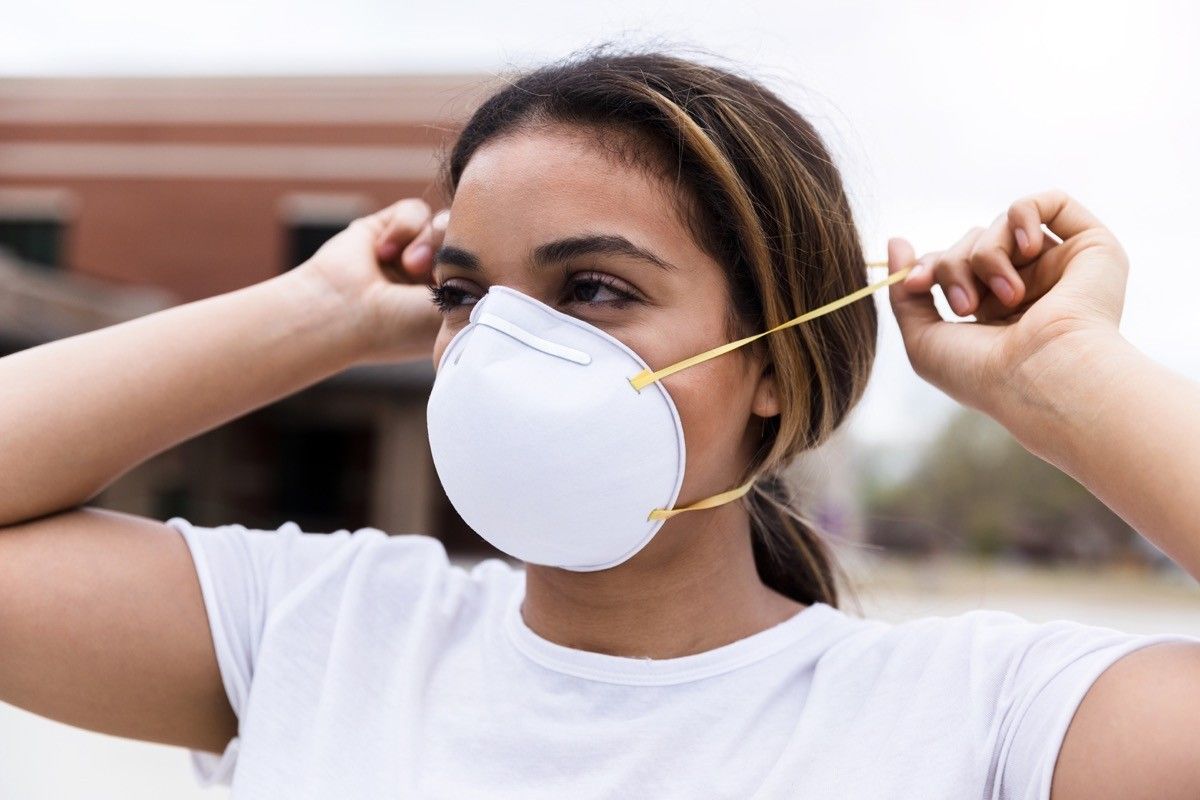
(652, 287)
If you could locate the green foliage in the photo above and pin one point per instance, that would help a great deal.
(976, 490)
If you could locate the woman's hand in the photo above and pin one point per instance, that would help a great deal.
(1040, 302)
(1049, 364)
(381, 265)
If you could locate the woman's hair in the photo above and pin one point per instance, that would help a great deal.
(757, 189)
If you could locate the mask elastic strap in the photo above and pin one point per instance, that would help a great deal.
(647, 377)
(708, 502)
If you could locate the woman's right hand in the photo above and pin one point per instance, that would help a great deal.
(102, 621)
(381, 265)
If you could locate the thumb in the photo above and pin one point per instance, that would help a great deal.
(914, 310)
(953, 356)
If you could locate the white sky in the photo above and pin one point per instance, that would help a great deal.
(940, 113)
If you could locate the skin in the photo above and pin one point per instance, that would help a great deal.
(697, 573)
(1048, 362)
(103, 625)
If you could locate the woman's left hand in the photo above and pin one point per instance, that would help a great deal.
(1050, 365)
(1038, 301)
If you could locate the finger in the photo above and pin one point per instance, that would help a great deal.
(1061, 213)
(952, 271)
(417, 257)
(1094, 260)
(397, 225)
(990, 261)
(914, 309)
(944, 353)
(920, 278)
(1037, 278)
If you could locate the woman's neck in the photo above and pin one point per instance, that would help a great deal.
(693, 588)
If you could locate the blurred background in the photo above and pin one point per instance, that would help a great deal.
(151, 156)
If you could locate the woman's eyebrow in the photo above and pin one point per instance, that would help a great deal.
(561, 250)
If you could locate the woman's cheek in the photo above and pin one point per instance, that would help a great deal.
(704, 408)
(445, 334)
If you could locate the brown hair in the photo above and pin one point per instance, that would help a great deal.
(759, 192)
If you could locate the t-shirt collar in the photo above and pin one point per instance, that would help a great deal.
(799, 630)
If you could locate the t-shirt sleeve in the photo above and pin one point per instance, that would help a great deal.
(244, 573)
(1053, 668)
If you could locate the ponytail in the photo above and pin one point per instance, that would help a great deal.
(791, 556)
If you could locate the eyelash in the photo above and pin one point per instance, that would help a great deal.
(442, 295)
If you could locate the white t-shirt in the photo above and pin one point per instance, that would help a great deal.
(362, 665)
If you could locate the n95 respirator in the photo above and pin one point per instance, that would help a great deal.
(556, 442)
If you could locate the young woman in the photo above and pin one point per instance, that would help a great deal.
(673, 633)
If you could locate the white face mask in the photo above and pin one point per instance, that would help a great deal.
(554, 441)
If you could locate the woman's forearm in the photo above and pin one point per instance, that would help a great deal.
(1125, 427)
(77, 413)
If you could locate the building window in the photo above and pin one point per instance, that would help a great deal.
(34, 240)
(306, 238)
(322, 475)
(311, 218)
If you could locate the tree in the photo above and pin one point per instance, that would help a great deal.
(977, 490)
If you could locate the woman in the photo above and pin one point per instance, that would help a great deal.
(610, 211)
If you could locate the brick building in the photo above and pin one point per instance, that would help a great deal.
(119, 196)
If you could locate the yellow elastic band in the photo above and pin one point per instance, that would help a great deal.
(708, 502)
(646, 377)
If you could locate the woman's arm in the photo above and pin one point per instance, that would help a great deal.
(1045, 359)
(102, 623)
(80, 412)
(1125, 427)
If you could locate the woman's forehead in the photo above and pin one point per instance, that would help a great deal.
(545, 169)
(525, 189)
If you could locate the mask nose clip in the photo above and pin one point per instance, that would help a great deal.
(533, 340)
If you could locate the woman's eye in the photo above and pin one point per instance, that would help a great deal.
(447, 296)
(592, 289)
(595, 289)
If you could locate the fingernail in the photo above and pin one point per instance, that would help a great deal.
(959, 300)
(417, 254)
(917, 270)
(1002, 288)
(441, 219)
(387, 250)
(1022, 239)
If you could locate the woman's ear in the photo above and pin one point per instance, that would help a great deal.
(766, 396)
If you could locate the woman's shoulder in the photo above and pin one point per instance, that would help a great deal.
(281, 566)
(291, 540)
(988, 679)
(290, 603)
(981, 638)
(979, 665)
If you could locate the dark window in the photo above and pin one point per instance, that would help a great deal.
(323, 476)
(306, 238)
(34, 240)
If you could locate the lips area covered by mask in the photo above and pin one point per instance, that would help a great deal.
(551, 460)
